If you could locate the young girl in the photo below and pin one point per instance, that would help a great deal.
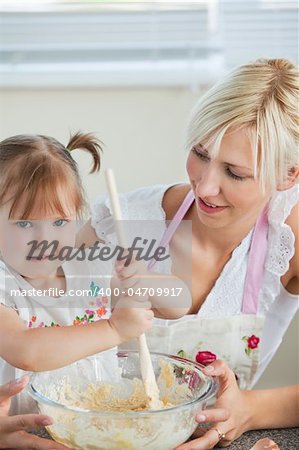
(44, 301)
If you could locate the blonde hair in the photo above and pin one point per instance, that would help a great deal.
(42, 168)
(262, 97)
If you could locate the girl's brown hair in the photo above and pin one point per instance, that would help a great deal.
(43, 169)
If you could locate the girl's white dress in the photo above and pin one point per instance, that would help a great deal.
(84, 301)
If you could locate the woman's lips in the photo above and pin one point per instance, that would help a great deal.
(209, 208)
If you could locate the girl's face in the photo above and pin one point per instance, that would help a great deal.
(16, 237)
(225, 190)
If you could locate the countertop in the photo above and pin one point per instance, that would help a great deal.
(286, 439)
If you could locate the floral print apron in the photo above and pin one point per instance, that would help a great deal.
(235, 339)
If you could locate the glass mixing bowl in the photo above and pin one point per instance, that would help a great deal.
(91, 429)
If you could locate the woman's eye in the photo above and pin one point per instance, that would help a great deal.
(200, 154)
(60, 223)
(234, 176)
(24, 224)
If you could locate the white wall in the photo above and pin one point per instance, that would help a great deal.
(142, 130)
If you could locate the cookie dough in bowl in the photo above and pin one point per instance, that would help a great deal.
(96, 409)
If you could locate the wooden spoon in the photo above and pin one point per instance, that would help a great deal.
(147, 371)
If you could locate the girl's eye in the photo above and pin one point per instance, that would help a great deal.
(234, 176)
(24, 224)
(60, 223)
(200, 154)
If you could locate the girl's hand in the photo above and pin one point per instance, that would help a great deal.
(131, 317)
(12, 428)
(134, 276)
(230, 416)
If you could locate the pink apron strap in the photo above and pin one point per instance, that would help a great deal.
(255, 266)
(256, 258)
(171, 229)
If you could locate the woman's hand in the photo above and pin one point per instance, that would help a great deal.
(229, 417)
(12, 428)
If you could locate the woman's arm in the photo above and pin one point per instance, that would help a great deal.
(238, 411)
(38, 349)
(274, 408)
(176, 299)
(169, 295)
(290, 279)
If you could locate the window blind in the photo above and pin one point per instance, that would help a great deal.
(140, 43)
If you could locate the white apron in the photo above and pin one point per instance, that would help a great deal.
(235, 339)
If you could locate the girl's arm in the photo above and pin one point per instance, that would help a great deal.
(38, 349)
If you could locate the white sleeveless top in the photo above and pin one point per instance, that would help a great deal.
(225, 299)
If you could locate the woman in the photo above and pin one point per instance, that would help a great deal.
(242, 201)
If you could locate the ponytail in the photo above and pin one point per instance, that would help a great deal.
(89, 143)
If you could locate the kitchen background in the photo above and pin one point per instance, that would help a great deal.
(130, 72)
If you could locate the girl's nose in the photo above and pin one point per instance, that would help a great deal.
(208, 185)
(43, 231)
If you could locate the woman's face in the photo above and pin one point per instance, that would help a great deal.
(225, 190)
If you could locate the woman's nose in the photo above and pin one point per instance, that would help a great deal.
(208, 185)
